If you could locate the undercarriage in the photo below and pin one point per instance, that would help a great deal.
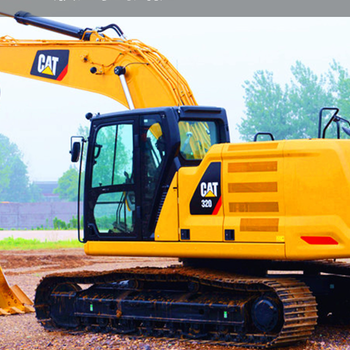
(197, 302)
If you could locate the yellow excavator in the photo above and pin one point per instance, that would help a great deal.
(257, 225)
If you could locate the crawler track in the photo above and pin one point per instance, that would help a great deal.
(180, 302)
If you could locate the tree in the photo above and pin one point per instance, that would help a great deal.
(307, 95)
(14, 181)
(292, 112)
(68, 185)
(340, 87)
(267, 108)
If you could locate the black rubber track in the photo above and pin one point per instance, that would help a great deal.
(297, 303)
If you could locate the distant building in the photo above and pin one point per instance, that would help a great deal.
(47, 188)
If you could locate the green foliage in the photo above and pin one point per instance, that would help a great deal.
(292, 112)
(62, 225)
(11, 243)
(67, 187)
(73, 223)
(340, 87)
(14, 181)
(308, 94)
(59, 224)
(267, 107)
(105, 223)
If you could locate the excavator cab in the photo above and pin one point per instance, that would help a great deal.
(132, 157)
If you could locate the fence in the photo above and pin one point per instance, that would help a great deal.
(33, 215)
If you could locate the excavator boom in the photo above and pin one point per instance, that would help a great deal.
(96, 63)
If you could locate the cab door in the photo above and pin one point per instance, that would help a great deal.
(112, 198)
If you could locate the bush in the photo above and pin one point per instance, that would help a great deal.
(59, 224)
(62, 225)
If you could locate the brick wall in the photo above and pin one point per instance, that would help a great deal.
(33, 215)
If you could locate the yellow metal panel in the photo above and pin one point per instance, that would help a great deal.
(260, 225)
(202, 227)
(254, 207)
(252, 187)
(317, 198)
(252, 146)
(251, 166)
(168, 223)
(258, 229)
(317, 226)
(188, 249)
(254, 197)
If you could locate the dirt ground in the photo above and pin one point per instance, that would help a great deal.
(26, 268)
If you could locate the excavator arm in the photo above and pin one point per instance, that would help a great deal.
(128, 71)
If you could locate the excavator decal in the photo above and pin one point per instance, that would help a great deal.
(51, 64)
(207, 197)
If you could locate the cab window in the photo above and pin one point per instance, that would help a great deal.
(196, 138)
(113, 156)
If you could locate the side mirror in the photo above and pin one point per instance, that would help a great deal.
(75, 152)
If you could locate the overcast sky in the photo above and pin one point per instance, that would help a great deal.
(215, 55)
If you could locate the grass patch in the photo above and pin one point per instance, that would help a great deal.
(11, 243)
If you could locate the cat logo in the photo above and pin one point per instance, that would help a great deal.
(47, 64)
(51, 64)
(209, 189)
(206, 199)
